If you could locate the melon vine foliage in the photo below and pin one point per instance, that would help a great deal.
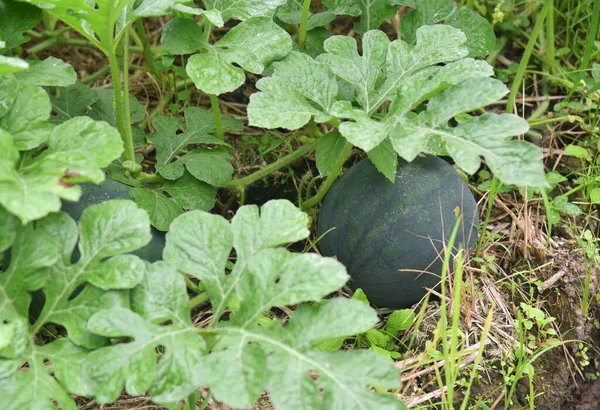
(343, 84)
(122, 324)
(130, 310)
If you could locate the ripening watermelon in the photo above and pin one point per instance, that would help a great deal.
(390, 236)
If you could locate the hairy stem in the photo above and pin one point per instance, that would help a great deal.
(214, 105)
(148, 54)
(312, 202)
(128, 154)
(240, 184)
(129, 150)
(303, 24)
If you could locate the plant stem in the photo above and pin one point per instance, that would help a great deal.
(191, 401)
(214, 104)
(148, 54)
(516, 85)
(303, 24)
(127, 106)
(128, 154)
(206, 400)
(239, 184)
(198, 300)
(310, 203)
(148, 178)
(97, 74)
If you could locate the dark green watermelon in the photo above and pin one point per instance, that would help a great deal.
(390, 236)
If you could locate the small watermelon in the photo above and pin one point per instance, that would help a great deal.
(391, 236)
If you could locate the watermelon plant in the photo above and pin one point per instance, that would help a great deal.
(125, 324)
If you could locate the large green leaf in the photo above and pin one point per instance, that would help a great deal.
(48, 72)
(243, 9)
(162, 210)
(252, 45)
(298, 89)
(181, 36)
(77, 150)
(514, 162)
(199, 129)
(480, 35)
(40, 258)
(134, 365)
(246, 358)
(15, 19)
(24, 112)
(11, 65)
(362, 72)
(72, 101)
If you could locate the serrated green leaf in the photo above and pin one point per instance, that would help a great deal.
(162, 210)
(27, 114)
(290, 358)
(48, 72)
(10, 65)
(329, 148)
(464, 97)
(513, 162)
(67, 360)
(430, 81)
(15, 19)
(361, 71)
(480, 35)
(72, 101)
(365, 132)
(385, 159)
(181, 36)
(198, 129)
(252, 44)
(107, 230)
(84, 147)
(207, 165)
(410, 136)
(34, 389)
(426, 12)
(134, 365)
(244, 9)
(299, 88)
(191, 194)
(481, 39)
(372, 12)
(211, 239)
(73, 155)
(435, 44)
(32, 251)
(237, 375)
